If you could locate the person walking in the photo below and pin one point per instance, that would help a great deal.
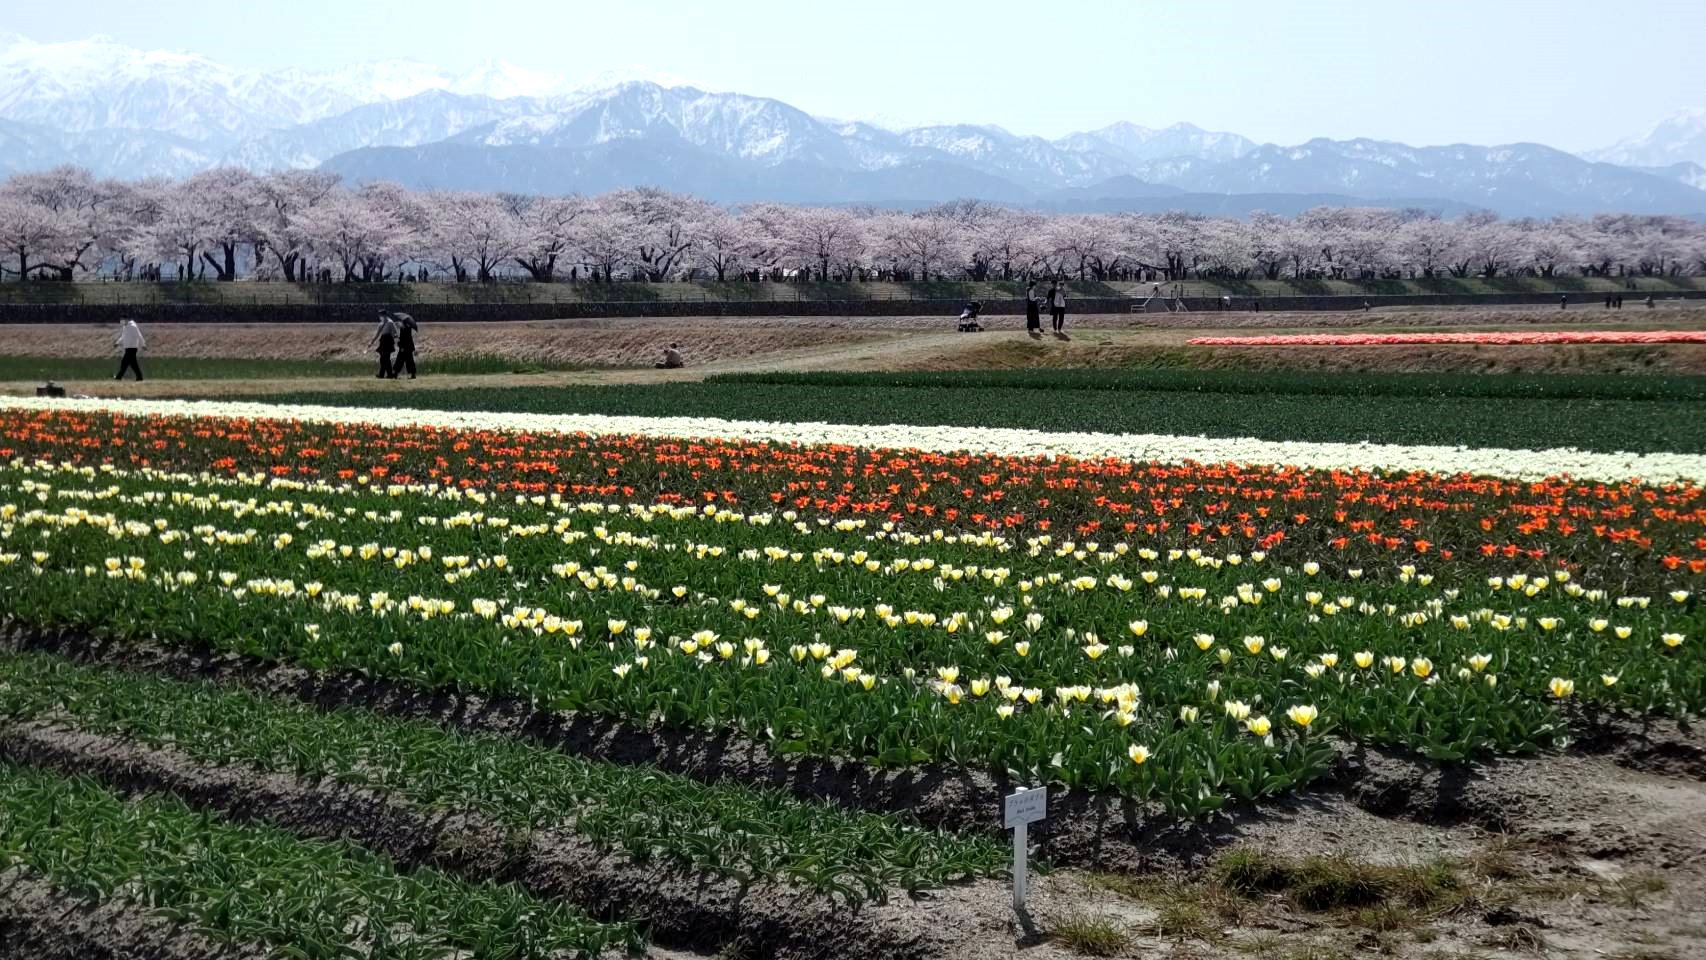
(406, 328)
(1563, 301)
(1057, 307)
(130, 339)
(386, 338)
(1033, 310)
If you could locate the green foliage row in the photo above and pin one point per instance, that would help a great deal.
(1283, 383)
(1527, 422)
(727, 829)
(308, 899)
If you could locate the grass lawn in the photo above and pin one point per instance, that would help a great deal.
(1592, 413)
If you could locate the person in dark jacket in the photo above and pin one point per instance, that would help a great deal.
(1033, 311)
(386, 338)
(406, 330)
(1057, 307)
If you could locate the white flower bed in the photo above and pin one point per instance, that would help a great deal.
(1521, 464)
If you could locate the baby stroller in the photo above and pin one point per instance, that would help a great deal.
(968, 317)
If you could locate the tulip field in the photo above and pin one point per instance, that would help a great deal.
(757, 636)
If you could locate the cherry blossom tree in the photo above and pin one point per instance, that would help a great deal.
(30, 233)
(478, 233)
(658, 224)
(89, 212)
(64, 223)
(285, 197)
(349, 230)
(233, 203)
(924, 240)
(545, 231)
(722, 242)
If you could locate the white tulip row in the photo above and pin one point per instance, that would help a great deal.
(1001, 441)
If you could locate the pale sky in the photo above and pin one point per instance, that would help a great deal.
(1575, 74)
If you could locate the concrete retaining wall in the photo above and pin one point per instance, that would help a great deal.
(483, 312)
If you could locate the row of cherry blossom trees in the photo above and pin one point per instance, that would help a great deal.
(227, 224)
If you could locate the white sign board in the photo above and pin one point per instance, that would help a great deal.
(1027, 806)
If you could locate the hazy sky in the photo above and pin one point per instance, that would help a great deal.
(1572, 73)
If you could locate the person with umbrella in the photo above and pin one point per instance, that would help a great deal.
(406, 329)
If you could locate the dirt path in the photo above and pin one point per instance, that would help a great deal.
(620, 352)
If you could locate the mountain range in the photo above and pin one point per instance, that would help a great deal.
(127, 112)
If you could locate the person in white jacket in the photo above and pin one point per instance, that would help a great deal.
(130, 338)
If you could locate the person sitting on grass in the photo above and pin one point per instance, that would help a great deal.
(671, 358)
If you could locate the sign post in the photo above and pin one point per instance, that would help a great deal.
(1024, 807)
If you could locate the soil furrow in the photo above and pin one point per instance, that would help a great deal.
(42, 923)
(680, 909)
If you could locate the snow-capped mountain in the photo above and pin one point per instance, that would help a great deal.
(1678, 138)
(1138, 144)
(1688, 172)
(99, 84)
(127, 112)
(424, 117)
(1518, 178)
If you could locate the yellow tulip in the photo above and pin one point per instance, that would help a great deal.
(1139, 754)
(1561, 687)
(1258, 726)
(1302, 715)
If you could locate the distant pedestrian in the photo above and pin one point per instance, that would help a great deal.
(1366, 306)
(130, 339)
(386, 338)
(1057, 306)
(1563, 301)
(1258, 305)
(406, 330)
(1618, 300)
(1608, 301)
(1033, 310)
(1649, 301)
